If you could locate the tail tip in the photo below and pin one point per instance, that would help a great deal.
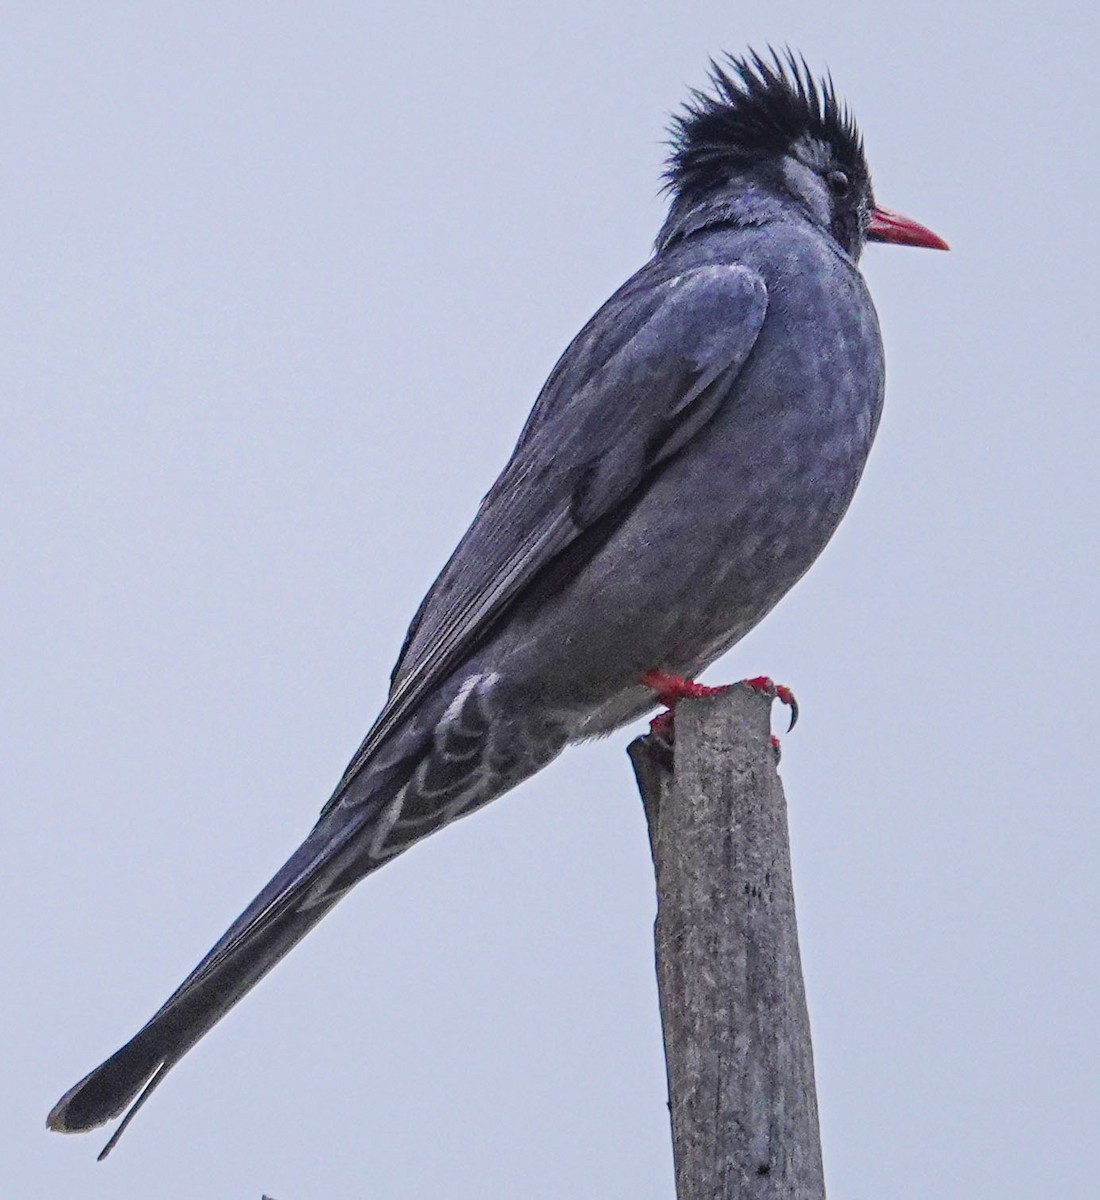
(60, 1119)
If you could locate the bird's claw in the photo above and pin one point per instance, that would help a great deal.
(774, 691)
(670, 689)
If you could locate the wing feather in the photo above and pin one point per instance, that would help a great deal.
(637, 383)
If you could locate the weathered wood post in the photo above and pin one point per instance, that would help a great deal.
(733, 1007)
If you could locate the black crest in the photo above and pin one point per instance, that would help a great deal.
(757, 108)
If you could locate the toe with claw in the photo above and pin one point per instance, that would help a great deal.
(774, 691)
(670, 689)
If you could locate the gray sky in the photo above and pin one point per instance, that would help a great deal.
(280, 283)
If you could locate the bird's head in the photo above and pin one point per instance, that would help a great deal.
(767, 132)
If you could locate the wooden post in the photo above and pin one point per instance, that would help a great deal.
(733, 1008)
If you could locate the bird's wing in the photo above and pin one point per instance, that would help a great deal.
(638, 382)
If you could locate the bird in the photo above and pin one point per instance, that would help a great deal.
(688, 458)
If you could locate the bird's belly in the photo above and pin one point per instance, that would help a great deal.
(717, 541)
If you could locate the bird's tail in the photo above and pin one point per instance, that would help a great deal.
(431, 774)
(318, 873)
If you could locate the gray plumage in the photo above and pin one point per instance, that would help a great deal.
(688, 458)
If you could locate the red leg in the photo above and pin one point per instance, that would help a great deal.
(672, 688)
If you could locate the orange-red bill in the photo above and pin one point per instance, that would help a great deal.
(889, 226)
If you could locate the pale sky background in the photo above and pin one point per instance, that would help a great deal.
(279, 284)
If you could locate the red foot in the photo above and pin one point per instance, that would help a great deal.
(775, 691)
(672, 688)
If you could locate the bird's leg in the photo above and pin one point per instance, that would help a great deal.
(671, 689)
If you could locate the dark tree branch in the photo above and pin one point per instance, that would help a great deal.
(733, 1008)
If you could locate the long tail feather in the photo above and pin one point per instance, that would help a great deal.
(300, 894)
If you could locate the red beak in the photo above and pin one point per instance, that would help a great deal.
(889, 226)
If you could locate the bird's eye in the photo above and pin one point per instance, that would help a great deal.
(839, 183)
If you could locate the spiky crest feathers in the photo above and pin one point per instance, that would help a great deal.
(757, 108)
